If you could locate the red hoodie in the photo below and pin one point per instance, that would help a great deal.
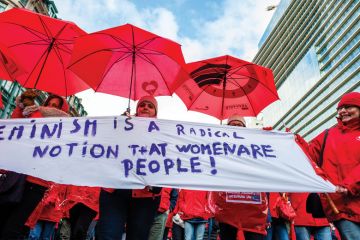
(245, 211)
(298, 202)
(192, 204)
(341, 163)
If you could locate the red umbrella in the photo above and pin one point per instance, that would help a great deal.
(1, 102)
(44, 46)
(10, 69)
(225, 85)
(128, 61)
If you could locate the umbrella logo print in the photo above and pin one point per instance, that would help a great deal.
(210, 78)
(209, 74)
(150, 87)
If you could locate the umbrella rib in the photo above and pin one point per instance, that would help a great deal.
(38, 61)
(154, 52)
(31, 43)
(119, 40)
(107, 71)
(32, 31)
(238, 68)
(198, 96)
(65, 78)
(251, 105)
(62, 47)
(46, 30)
(58, 54)
(143, 44)
(64, 43)
(123, 57)
(87, 55)
(144, 57)
(147, 42)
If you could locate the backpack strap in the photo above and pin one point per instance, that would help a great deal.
(323, 148)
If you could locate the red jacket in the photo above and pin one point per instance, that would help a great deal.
(273, 196)
(49, 209)
(192, 204)
(341, 163)
(165, 200)
(245, 211)
(298, 202)
(89, 196)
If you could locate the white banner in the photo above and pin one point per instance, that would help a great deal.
(131, 153)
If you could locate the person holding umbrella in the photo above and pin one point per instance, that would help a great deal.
(14, 225)
(340, 150)
(135, 208)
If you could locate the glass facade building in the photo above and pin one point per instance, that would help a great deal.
(313, 48)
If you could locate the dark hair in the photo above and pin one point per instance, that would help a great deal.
(52, 96)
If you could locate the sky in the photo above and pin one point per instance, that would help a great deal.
(204, 28)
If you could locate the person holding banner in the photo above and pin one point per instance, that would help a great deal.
(135, 208)
(339, 149)
(35, 188)
(305, 224)
(240, 212)
(158, 226)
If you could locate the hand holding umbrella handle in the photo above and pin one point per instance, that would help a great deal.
(332, 204)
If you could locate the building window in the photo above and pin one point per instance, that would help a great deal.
(2, 6)
(23, 2)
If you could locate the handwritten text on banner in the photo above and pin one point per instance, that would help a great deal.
(120, 152)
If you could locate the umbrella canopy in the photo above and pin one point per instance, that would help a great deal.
(128, 61)
(1, 102)
(44, 46)
(225, 85)
(9, 66)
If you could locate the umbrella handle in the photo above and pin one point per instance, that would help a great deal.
(332, 204)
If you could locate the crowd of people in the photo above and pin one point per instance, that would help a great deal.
(48, 210)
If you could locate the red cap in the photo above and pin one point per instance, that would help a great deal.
(352, 98)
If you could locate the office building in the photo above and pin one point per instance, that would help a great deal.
(313, 48)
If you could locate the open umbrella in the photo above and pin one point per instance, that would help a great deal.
(128, 61)
(225, 85)
(10, 68)
(44, 46)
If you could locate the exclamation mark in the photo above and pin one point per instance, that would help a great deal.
(115, 122)
(212, 163)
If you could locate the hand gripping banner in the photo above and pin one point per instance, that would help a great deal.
(120, 152)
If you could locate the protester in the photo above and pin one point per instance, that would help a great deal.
(136, 208)
(305, 225)
(35, 188)
(279, 228)
(191, 207)
(47, 214)
(234, 215)
(341, 163)
(81, 205)
(158, 226)
(169, 222)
